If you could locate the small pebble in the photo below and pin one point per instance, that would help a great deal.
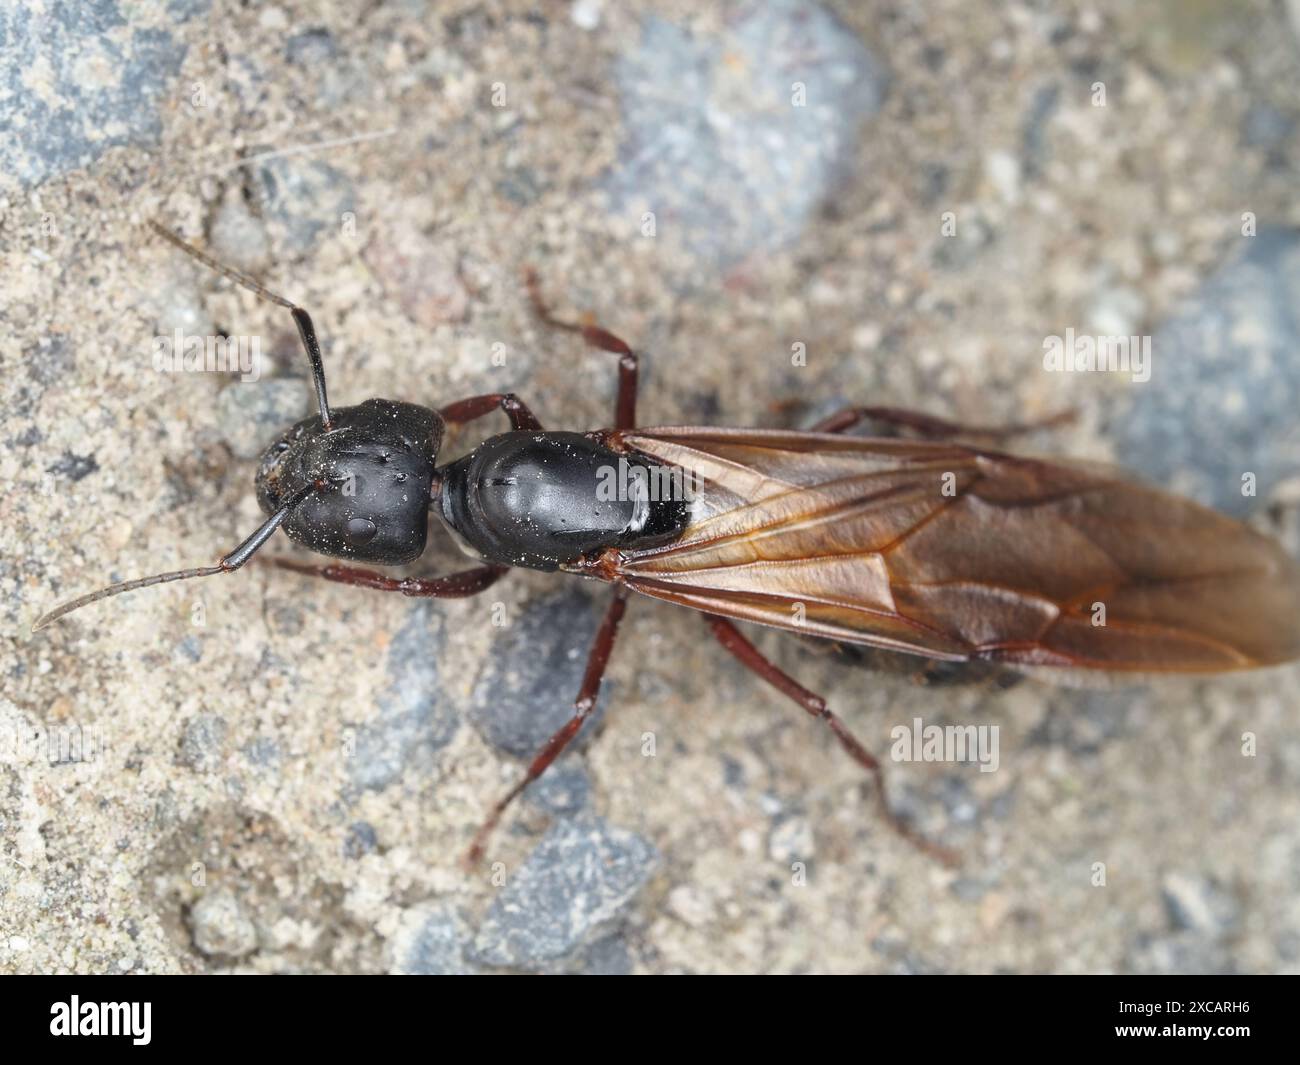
(578, 881)
(415, 717)
(306, 196)
(1199, 904)
(730, 144)
(203, 743)
(221, 926)
(439, 946)
(534, 671)
(1225, 383)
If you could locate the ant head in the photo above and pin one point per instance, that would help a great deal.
(354, 483)
(373, 472)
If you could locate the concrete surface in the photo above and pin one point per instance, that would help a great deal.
(262, 773)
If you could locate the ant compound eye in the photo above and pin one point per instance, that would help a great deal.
(361, 531)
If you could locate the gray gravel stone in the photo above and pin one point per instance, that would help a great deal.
(439, 947)
(264, 751)
(526, 690)
(578, 881)
(310, 47)
(1199, 904)
(415, 720)
(105, 75)
(361, 840)
(187, 9)
(715, 145)
(203, 743)
(189, 649)
(250, 414)
(1266, 128)
(1033, 137)
(608, 957)
(338, 75)
(306, 196)
(564, 789)
(1225, 383)
(954, 791)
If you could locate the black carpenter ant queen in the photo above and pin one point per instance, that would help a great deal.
(930, 546)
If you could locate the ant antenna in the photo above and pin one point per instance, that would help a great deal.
(228, 564)
(300, 317)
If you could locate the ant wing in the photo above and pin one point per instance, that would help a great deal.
(960, 553)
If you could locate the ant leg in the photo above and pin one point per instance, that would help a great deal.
(306, 331)
(457, 585)
(597, 660)
(625, 405)
(466, 410)
(753, 659)
(930, 426)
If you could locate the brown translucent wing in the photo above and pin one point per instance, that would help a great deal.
(960, 553)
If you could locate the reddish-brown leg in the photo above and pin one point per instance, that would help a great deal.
(466, 410)
(752, 658)
(457, 585)
(930, 426)
(583, 705)
(625, 405)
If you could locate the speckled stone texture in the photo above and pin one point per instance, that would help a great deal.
(786, 206)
